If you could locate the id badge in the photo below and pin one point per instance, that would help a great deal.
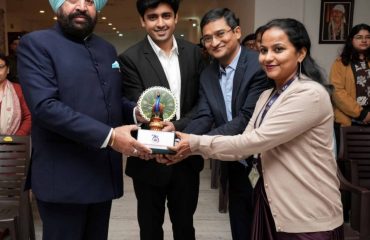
(254, 174)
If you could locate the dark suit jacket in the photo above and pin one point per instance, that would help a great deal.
(248, 83)
(142, 69)
(74, 96)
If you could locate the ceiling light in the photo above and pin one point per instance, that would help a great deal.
(114, 28)
(120, 35)
(55, 18)
(103, 18)
(42, 11)
(110, 24)
(117, 32)
(194, 24)
(182, 35)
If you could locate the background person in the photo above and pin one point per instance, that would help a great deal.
(160, 59)
(250, 41)
(12, 58)
(291, 137)
(207, 59)
(229, 89)
(72, 84)
(350, 76)
(257, 33)
(15, 117)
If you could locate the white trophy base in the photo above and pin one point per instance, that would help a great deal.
(156, 140)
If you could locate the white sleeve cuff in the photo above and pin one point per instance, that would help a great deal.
(106, 141)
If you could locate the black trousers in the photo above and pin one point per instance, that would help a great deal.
(240, 201)
(63, 221)
(181, 194)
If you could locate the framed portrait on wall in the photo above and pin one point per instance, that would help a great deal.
(335, 20)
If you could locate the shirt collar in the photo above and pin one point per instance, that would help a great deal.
(159, 51)
(233, 64)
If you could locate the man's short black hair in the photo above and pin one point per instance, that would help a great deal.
(218, 13)
(143, 5)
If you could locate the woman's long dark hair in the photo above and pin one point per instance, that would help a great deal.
(298, 36)
(349, 53)
(4, 58)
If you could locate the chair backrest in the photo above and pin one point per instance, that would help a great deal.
(14, 161)
(355, 145)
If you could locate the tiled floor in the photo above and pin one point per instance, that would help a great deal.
(209, 223)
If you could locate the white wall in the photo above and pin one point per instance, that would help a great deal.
(244, 10)
(266, 10)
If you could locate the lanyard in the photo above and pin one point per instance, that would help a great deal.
(273, 99)
(270, 102)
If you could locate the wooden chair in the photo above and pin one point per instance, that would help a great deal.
(355, 153)
(355, 145)
(15, 207)
(363, 202)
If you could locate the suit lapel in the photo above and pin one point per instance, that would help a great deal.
(238, 78)
(152, 58)
(183, 72)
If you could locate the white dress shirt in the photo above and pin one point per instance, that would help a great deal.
(171, 67)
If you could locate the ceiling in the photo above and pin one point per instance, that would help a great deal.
(24, 15)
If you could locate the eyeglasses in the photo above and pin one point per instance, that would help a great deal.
(360, 37)
(88, 2)
(207, 39)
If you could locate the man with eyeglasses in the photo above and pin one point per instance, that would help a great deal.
(72, 84)
(229, 89)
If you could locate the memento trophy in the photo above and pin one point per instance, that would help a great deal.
(157, 104)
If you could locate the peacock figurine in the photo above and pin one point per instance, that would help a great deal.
(157, 104)
(157, 114)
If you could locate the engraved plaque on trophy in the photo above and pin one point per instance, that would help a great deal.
(157, 104)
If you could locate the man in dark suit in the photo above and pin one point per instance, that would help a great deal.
(163, 60)
(71, 82)
(229, 89)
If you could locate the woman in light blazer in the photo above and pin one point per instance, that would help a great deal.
(291, 136)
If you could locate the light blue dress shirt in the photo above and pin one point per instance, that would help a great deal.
(226, 78)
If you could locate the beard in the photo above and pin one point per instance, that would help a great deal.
(79, 30)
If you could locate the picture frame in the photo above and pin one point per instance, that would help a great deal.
(336, 18)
